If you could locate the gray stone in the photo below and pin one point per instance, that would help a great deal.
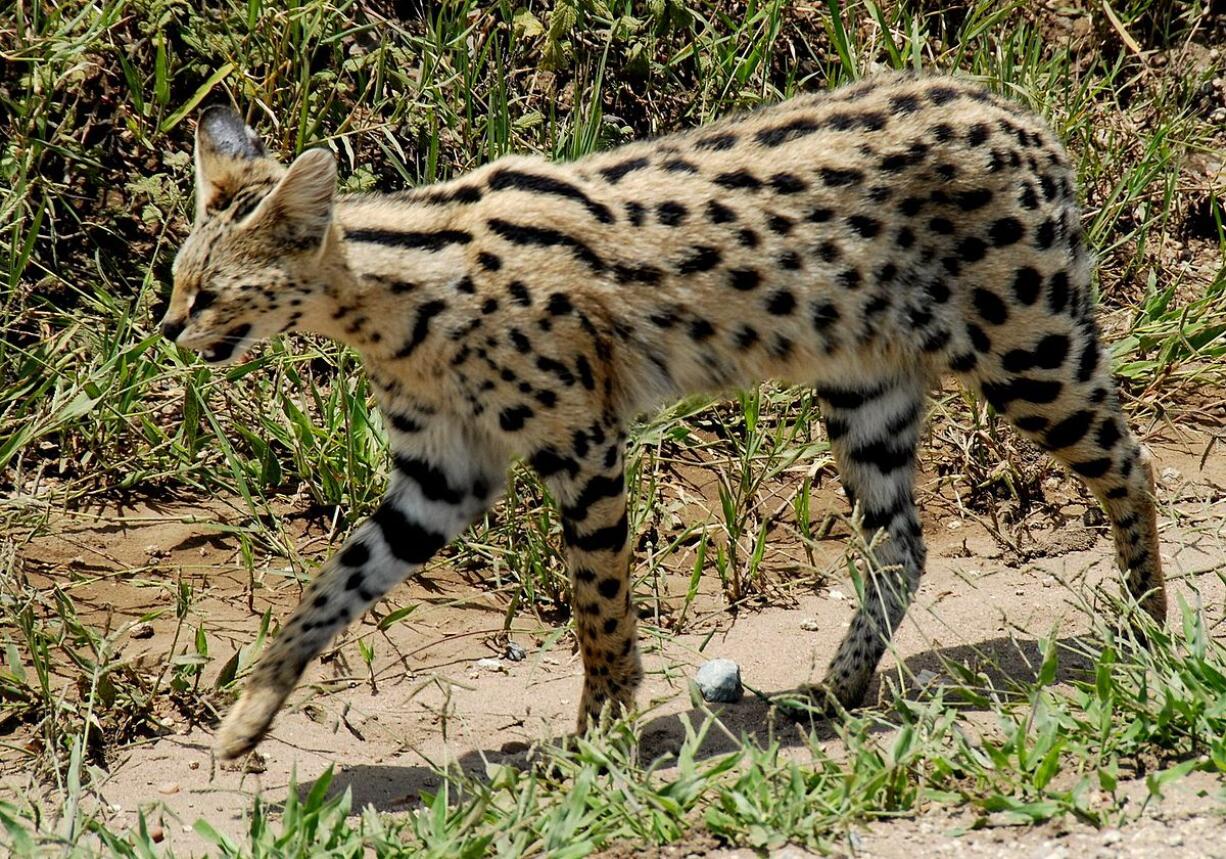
(719, 681)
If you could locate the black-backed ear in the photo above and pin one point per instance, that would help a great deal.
(300, 207)
(225, 148)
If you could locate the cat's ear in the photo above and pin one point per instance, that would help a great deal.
(226, 151)
(300, 206)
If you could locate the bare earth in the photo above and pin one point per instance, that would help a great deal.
(430, 705)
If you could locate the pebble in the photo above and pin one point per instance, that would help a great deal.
(168, 788)
(490, 664)
(514, 652)
(719, 681)
(809, 624)
(142, 630)
(836, 595)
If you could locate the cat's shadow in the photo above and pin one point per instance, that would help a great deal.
(1002, 661)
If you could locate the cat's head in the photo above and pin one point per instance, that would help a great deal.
(250, 266)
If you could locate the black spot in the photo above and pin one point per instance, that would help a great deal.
(978, 338)
(886, 273)
(781, 302)
(609, 589)
(972, 249)
(1108, 434)
(800, 127)
(1051, 351)
(547, 462)
(990, 307)
(512, 419)
(746, 337)
(1069, 431)
(1021, 388)
(942, 132)
(702, 258)
(825, 315)
(1057, 293)
(701, 329)
(431, 480)
(788, 183)
(789, 260)
(850, 398)
(716, 142)
(1088, 361)
(355, 555)
(1005, 232)
(465, 285)
(738, 179)
(1117, 492)
(584, 369)
(905, 237)
(1045, 236)
(820, 215)
(938, 290)
(671, 213)
(718, 213)
(850, 278)
(904, 103)
(744, 279)
(407, 540)
(637, 274)
(978, 134)
(1026, 285)
(490, 305)
(936, 340)
(835, 177)
(1092, 468)
(969, 201)
(1031, 423)
(519, 293)
(865, 226)
(636, 212)
(611, 538)
(404, 423)
(678, 165)
(747, 237)
(616, 172)
(559, 305)
(829, 251)
(943, 226)
(779, 224)
(964, 362)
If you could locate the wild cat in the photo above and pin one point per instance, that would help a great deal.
(863, 241)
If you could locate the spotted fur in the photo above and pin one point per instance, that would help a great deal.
(864, 241)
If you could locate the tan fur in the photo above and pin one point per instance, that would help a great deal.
(864, 241)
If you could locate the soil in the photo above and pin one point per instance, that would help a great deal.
(427, 703)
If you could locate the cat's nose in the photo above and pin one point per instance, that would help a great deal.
(171, 329)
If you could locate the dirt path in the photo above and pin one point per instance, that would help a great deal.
(432, 703)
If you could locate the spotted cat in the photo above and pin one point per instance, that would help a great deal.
(863, 241)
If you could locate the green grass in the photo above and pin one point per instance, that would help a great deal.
(96, 101)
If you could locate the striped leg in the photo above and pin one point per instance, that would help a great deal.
(429, 502)
(592, 495)
(1074, 414)
(873, 433)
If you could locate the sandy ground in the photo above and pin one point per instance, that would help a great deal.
(431, 705)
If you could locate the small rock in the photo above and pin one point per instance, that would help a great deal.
(168, 788)
(953, 524)
(489, 664)
(193, 765)
(256, 763)
(719, 681)
(1176, 840)
(514, 652)
(809, 624)
(925, 677)
(1111, 836)
(141, 630)
(836, 595)
(1170, 475)
(157, 834)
